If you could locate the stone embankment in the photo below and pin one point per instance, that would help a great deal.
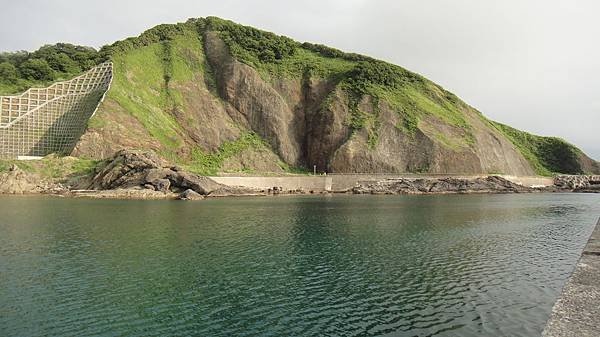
(577, 311)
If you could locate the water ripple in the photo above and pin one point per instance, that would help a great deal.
(306, 266)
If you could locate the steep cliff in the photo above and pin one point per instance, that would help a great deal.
(211, 95)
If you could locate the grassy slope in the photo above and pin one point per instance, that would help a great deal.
(10, 89)
(211, 163)
(547, 155)
(138, 87)
(146, 78)
(55, 168)
(148, 66)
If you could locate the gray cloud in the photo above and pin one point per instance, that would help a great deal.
(531, 64)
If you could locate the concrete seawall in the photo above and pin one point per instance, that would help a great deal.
(305, 183)
(577, 311)
(343, 182)
(530, 181)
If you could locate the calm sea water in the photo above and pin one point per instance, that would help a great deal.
(473, 265)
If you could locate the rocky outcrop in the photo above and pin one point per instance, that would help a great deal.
(129, 169)
(258, 104)
(589, 183)
(490, 184)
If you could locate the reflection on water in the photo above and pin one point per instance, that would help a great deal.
(293, 266)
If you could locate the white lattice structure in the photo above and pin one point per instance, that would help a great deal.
(48, 120)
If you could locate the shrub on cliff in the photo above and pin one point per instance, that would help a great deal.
(251, 44)
(36, 69)
(8, 72)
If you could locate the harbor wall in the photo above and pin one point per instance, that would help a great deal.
(577, 311)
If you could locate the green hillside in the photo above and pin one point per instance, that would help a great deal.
(547, 155)
(155, 73)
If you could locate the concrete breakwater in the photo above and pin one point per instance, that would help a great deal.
(577, 311)
(584, 183)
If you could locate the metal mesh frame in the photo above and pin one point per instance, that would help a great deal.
(48, 120)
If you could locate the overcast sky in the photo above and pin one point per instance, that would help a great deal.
(532, 64)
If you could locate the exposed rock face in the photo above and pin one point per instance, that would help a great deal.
(17, 181)
(258, 104)
(306, 132)
(588, 164)
(140, 169)
(578, 183)
(491, 184)
(257, 160)
(396, 152)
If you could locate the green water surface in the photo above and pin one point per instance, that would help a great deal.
(456, 265)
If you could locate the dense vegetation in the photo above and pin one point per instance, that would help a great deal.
(21, 70)
(547, 155)
(62, 61)
(252, 44)
(160, 33)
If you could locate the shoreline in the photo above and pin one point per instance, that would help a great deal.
(134, 194)
(577, 311)
(143, 175)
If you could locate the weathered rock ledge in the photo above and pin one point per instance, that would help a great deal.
(446, 185)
